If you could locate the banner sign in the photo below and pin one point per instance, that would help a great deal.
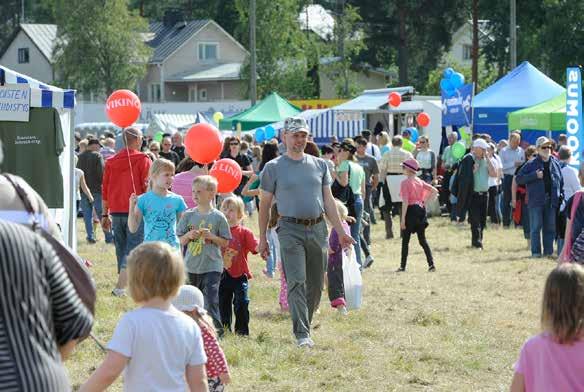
(456, 108)
(574, 124)
(14, 102)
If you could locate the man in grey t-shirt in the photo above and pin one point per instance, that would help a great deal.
(300, 185)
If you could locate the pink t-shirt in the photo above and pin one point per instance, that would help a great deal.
(415, 191)
(549, 366)
(183, 185)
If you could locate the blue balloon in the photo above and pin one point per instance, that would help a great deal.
(457, 80)
(446, 85)
(447, 73)
(270, 132)
(414, 135)
(260, 135)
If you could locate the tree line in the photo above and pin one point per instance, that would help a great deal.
(100, 47)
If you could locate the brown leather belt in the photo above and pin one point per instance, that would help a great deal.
(305, 222)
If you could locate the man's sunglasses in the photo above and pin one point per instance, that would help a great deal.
(546, 148)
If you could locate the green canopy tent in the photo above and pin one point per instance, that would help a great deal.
(549, 115)
(271, 109)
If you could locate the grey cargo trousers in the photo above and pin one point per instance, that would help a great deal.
(304, 256)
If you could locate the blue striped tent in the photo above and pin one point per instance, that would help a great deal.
(45, 96)
(41, 95)
(325, 123)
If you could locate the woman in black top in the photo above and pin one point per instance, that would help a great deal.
(231, 150)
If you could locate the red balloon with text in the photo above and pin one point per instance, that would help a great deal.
(395, 99)
(228, 175)
(423, 119)
(123, 108)
(203, 143)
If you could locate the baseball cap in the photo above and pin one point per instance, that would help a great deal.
(480, 143)
(189, 298)
(412, 164)
(296, 124)
(542, 141)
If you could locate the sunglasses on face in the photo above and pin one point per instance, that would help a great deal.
(546, 148)
(154, 149)
(234, 144)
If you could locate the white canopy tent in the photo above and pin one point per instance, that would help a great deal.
(46, 96)
(171, 123)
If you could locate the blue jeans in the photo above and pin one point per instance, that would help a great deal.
(124, 240)
(356, 227)
(542, 219)
(506, 207)
(87, 209)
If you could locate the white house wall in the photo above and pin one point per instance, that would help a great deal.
(38, 66)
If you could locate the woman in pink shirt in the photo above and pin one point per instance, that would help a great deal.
(554, 359)
(414, 193)
(182, 185)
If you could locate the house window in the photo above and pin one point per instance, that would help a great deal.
(466, 52)
(155, 92)
(203, 94)
(23, 56)
(208, 52)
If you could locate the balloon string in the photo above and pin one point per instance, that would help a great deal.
(129, 161)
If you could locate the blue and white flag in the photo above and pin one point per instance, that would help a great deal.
(457, 108)
(574, 124)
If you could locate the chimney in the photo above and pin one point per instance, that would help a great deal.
(172, 16)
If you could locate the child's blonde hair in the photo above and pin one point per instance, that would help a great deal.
(209, 182)
(342, 209)
(155, 269)
(236, 202)
(158, 166)
(563, 303)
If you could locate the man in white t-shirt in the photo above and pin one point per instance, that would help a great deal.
(371, 149)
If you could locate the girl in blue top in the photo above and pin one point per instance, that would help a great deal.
(159, 207)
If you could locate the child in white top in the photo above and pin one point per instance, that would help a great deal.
(158, 347)
(554, 359)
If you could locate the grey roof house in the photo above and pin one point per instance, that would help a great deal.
(192, 61)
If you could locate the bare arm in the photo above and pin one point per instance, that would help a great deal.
(134, 214)
(250, 192)
(332, 213)
(66, 349)
(197, 378)
(85, 188)
(219, 241)
(491, 168)
(403, 213)
(375, 181)
(518, 383)
(263, 219)
(514, 192)
(110, 369)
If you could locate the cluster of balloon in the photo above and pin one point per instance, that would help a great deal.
(264, 134)
(408, 145)
(217, 116)
(228, 174)
(394, 99)
(123, 108)
(423, 119)
(465, 135)
(451, 81)
(158, 136)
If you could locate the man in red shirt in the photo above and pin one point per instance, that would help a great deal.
(125, 173)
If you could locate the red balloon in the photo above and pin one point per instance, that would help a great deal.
(395, 99)
(228, 175)
(203, 143)
(423, 119)
(123, 108)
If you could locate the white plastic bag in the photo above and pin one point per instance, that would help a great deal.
(352, 280)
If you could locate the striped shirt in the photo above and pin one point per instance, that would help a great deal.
(39, 311)
(391, 161)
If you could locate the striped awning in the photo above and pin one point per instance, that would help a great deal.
(41, 95)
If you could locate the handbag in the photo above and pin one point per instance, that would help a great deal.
(74, 266)
(345, 193)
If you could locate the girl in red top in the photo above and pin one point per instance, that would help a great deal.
(233, 288)
(190, 301)
(414, 193)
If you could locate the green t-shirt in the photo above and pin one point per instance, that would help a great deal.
(31, 151)
(481, 176)
(357, 175)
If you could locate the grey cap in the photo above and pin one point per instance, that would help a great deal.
(189, 298)
(542, 141)
(296, 124)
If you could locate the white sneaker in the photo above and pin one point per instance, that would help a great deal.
(368, 261)
(118, 292)
(305, 342)
(342, 310)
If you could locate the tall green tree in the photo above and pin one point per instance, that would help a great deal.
(283, 51)
(100, 46)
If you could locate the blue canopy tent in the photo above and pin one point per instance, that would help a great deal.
(46, 97)
(522, 87)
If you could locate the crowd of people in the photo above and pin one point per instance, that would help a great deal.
(182, 249)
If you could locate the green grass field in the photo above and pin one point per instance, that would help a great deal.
(459, 329)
